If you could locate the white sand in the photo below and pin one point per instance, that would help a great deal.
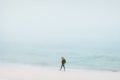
(22, 72)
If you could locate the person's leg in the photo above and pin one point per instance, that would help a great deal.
(64, 67)
(61, 67)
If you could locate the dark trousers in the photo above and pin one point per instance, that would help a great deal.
(62, 66)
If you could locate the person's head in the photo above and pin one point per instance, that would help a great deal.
(62, 58)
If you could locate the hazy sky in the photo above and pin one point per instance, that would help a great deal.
(60, 21)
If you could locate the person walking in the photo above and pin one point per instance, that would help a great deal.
(63, 61)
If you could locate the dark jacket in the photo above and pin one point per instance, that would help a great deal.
(63, 61)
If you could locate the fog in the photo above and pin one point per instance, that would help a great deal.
(60, 22)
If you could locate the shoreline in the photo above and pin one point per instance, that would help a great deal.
(55, 67)
(27, 72)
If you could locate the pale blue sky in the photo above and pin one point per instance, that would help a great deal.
(60, 21)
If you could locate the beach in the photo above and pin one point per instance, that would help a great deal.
(35, 34)
(33, 72)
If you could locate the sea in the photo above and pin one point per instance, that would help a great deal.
(92, 58)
